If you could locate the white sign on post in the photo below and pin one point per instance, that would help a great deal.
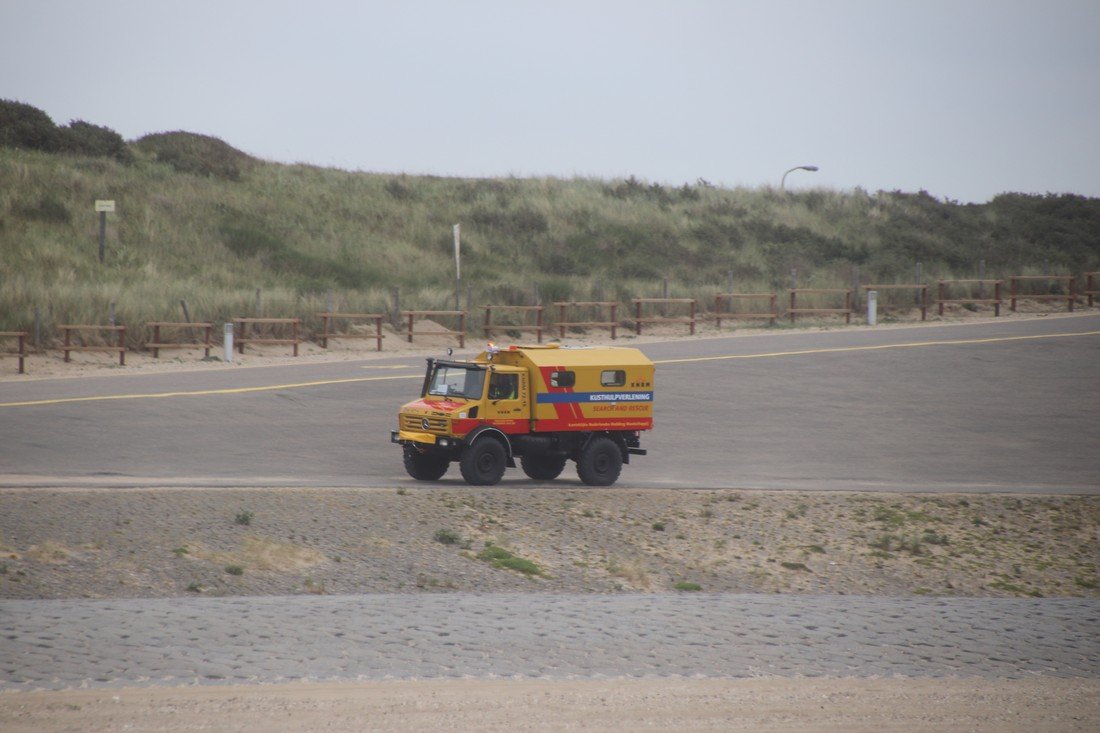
(105, 205)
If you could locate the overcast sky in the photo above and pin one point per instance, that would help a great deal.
(962, 98)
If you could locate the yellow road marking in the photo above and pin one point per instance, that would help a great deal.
(880, 347)
(202, 392)
(321, 383)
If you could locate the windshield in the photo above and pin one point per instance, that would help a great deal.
(456, 381)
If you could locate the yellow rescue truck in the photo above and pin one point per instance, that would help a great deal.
(544, 405)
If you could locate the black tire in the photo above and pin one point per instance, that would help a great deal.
(425, 466)
(542, 468)
(601, 462)
(483, 462)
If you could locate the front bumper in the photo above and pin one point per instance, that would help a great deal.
(408, 436)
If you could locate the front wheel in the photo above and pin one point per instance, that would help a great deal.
(542, 468)
(600, 463)
(483, 462)
(425, 466)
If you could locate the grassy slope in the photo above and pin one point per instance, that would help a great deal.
(300, 233)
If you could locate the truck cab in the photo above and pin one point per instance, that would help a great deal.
(542, 405)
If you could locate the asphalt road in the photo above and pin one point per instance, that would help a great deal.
(1009, 406)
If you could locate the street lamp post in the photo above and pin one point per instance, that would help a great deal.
(783, 181)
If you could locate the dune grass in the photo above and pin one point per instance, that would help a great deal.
(309, 238)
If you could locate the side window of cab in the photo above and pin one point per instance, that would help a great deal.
(563, 379)
(503, 386)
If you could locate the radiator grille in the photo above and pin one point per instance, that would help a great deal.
(416, 423)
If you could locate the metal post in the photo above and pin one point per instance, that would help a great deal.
(855, 286)
(228, 339)
(872, 308)
(102, 234)
(259, 304)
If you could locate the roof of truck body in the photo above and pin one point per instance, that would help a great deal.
(588, 356)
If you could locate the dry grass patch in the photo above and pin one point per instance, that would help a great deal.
(258, 553)
(633, 572)
(50, 552)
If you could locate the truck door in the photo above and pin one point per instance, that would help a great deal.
(507, 405)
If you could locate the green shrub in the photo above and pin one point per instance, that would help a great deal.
(84, 138)
(688, 586)
(498, 557)
(24, 126)
(447, 537)
(201, 155)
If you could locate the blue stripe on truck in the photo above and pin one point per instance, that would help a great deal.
(593, 397)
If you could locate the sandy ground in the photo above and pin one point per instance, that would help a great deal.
(133, 543)
(760, 705)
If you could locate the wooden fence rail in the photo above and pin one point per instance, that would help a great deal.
(460, 333)
(523, 311)
(1014, 288)
(995, 301)
(846, 311)
(68, 346)
(156, 344)
(241, 328)
(639, 319)
(772, 313)
(610, 306)
(1091, 279)
(21, 354)
(327, 320)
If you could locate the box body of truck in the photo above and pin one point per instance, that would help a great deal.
(542, 405)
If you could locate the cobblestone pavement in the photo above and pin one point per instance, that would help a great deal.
(76, 643)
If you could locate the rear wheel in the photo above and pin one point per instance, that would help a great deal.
(425, 466)
(600, 463)
(542, 468)
(483, 462)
